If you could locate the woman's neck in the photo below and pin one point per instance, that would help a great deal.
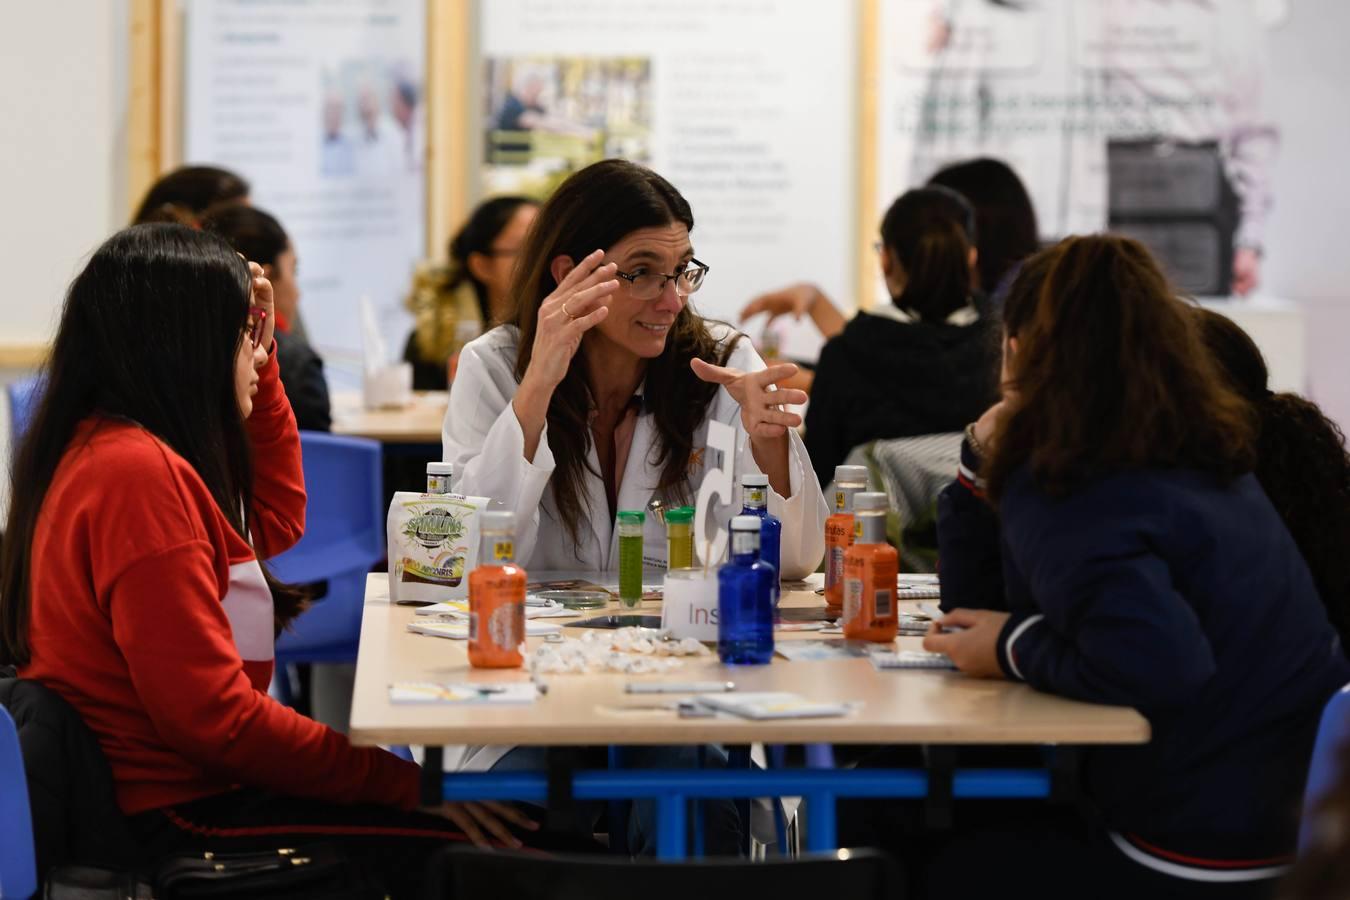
(612, 372)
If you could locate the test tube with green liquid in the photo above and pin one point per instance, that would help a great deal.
(630, 556)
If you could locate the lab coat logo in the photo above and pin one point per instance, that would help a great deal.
(717, 482)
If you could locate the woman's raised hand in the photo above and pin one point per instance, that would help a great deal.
(762, 413)
(574, 307)
(796, 300)
(260, 297)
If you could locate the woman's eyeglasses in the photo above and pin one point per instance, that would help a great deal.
(649, 285)
(256, 317)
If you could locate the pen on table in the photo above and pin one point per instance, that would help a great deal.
(679, 687)
(937, 616)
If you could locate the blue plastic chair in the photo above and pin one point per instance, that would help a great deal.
(344, 537)
(23, 399)
(1333, 734)
(18, 865)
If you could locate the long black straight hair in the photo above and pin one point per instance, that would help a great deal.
(149, 333)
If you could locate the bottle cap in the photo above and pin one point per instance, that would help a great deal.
(497, 520)
(754, 479)
(869, 500)
(850, 473)
(680, 515)
(630, 517)
(440, 468)
(749, 523)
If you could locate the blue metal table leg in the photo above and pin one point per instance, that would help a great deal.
(618, 810)
(822, 832)
(738, 757)
(670, 826)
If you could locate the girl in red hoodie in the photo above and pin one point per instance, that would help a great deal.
(162, 463)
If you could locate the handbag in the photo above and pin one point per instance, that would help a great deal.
(317, 870)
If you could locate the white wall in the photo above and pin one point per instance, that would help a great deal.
(1307, 258)
(63, 86)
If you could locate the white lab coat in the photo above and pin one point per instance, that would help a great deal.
(483, 438)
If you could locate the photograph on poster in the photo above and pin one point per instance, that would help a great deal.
(372, 121)
(1105, 112)
(546, 117)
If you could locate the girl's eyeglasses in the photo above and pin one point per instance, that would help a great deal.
(256, 317)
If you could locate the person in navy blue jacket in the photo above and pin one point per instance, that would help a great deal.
(1106, 541)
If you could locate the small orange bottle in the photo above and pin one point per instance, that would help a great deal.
(497, 597)
(871, 567)
(839, 533)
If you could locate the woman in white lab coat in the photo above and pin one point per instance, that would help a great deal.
(601, 394)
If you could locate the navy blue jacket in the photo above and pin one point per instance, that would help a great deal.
(1179, 595)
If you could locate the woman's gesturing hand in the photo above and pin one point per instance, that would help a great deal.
(574, 307)
(762, 413)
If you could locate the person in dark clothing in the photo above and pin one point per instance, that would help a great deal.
(1301, 463)
(260, 237)
(924, 364)
(1141, 565)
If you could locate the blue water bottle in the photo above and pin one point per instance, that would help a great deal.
(745, 599)
(755, 502)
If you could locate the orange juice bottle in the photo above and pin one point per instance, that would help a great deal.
(871, 567)
(848, 481)
(497, 597)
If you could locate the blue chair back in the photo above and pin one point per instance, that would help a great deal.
(344, 537)
(23, 399)
(1333, 735)
(18, 865)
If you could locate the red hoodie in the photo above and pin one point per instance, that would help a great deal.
(151, 617)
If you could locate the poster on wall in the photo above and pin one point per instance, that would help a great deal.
(1146, 117)
(320, 106)
(744, 105)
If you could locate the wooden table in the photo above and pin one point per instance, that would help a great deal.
(418, 423)
(912, 706)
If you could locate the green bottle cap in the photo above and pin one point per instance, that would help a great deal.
(631, 517)
(680, 515)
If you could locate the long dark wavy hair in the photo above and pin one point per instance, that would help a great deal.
(149, 334)
(596, 208)
(1110, 374)
(1300, 461)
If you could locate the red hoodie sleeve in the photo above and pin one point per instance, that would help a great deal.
(168, 622)
(278, 519)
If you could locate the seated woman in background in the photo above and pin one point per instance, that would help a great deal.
(922, 364)
(161, 464)
(261, 239)
(185, 193)
(453, 304)
(1142, 566)
(1300, 461)
(1005, 223)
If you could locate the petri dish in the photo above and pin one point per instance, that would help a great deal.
(575, 599)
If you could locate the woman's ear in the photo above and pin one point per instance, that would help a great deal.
(560, 267)
(973, 261)
(478, 266)
(269, 271)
